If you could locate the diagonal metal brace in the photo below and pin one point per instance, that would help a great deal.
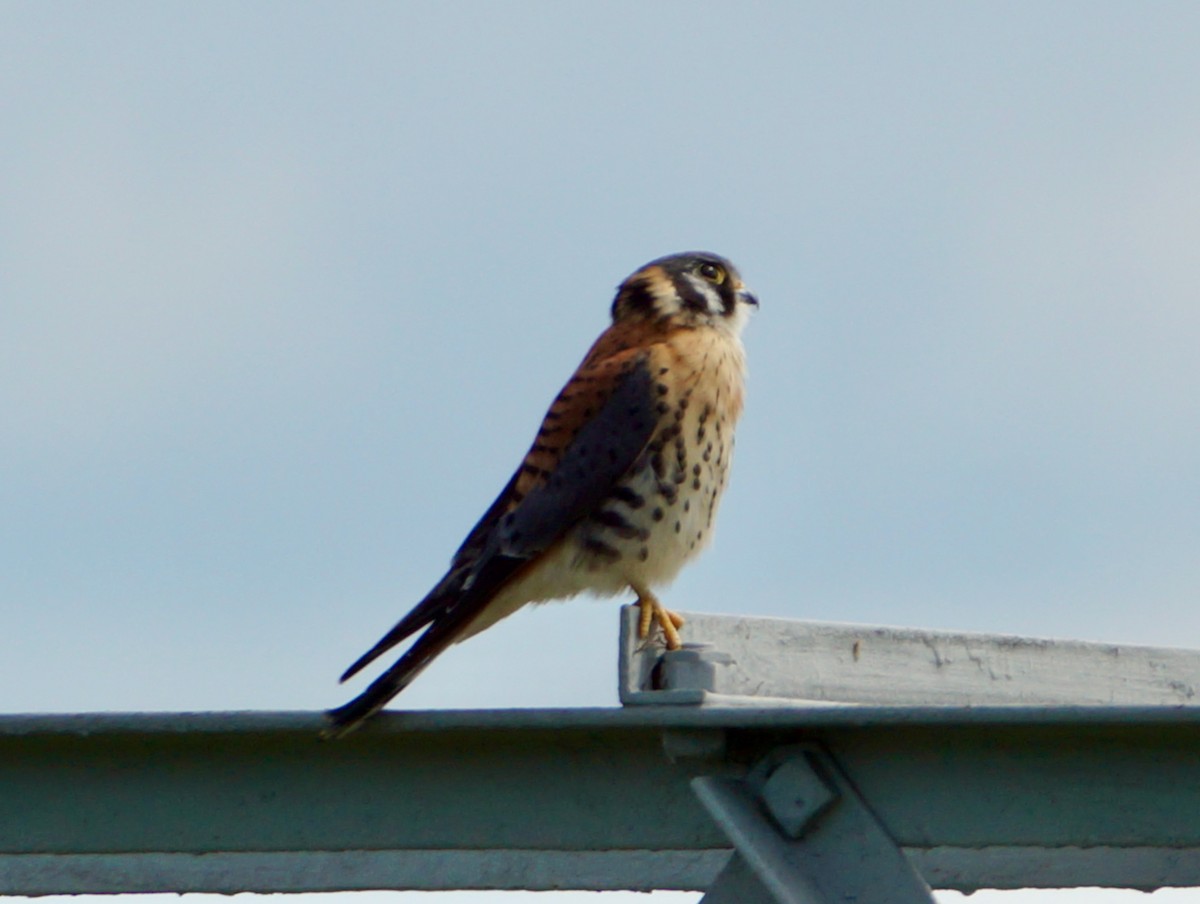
(802, 835)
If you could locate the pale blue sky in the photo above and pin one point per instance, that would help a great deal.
(285, 289)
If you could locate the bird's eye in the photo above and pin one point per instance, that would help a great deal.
(714, 273)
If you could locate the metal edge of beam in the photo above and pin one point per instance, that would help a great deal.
(1013, 867)
(962, 869)
(796, 716)
(322, 871)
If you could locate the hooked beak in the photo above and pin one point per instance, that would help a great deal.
(747, 297)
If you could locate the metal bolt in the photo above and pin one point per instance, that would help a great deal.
(795, 795)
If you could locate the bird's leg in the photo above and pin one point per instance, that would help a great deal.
(652, 611)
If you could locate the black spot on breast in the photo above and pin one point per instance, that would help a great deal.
(618, 524)
(601, 549)
(678, 527)
(631, 498)
(687, 505)
(657, 514)
(661, 388)
(643, 554)
(656, 462)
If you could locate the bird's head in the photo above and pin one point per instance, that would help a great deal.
(692, 289)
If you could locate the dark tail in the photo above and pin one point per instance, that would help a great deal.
(448, 610)
(437, 602)
(428, 647)
(402, 630)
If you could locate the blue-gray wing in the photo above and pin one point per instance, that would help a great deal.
(606, 421)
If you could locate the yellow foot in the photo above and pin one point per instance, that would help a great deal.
(653, 612)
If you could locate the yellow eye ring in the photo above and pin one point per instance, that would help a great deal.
(714, 273)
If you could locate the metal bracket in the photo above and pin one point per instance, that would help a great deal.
(802, 835)
(738, 661)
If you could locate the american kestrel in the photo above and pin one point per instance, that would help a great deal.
(621, 484)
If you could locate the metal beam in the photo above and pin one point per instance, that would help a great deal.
(803, 834)
(1001, 797)
(727, 659)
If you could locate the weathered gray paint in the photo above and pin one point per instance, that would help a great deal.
(1003, 796)
(319, 871)
(828, 846)
(978, 797)
(771, 659)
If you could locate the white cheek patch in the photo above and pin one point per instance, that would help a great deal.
(734, 323)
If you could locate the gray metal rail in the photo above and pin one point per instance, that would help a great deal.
(800, 803)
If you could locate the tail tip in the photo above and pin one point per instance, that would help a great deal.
(339, 724)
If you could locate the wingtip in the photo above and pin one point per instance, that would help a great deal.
(414, 621)
(365, 660)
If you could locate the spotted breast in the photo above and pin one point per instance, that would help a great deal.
(621, 484)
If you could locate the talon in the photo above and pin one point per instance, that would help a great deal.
(670, 633)
(651, 611)
(645, 615)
